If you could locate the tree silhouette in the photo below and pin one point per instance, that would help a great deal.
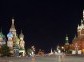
(5, 50)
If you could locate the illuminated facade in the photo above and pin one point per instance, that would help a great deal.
(66, 46)
(78, 42)
(67, 40)
(15, 43)
(2, 39)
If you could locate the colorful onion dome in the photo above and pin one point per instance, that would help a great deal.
(1, 35)
(9, 34)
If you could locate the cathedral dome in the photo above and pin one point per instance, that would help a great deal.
(9, 34)
(1, 35)
(21, 35)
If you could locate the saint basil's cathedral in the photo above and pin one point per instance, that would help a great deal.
(15, 43)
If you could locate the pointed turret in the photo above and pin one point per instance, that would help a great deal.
(21, 35)
(22, 43)
(75, 37)
(67, 40)
(12, 26)
(81, 21)
(51, 52)
(78, 27)
(1, 34)
(83, 14)
(2, 38)
(12, 29)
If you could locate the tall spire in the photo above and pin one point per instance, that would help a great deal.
(78, 27)
(81, 21)
(75, 37)
(12, 29)
(51, 51)
(83, 14)
(12, 26)
(13, 21)
(67, 40)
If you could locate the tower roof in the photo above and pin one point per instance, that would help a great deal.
(66, 37)
(9, 34)
(13, 26)
(1, 35)
(67, 40)
(81, 21)
(21, 34)
(83, 14)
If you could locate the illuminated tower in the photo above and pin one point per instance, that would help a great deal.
(22, 44)
(83, 15)
(13, 42)
(2, 39)
(51, 51)
(10, 41)
(12, 29)
(67, 40)
(75, 37)
(80, 28)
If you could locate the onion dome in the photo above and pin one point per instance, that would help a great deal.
(9, 35)
(1, 35)
(21, 35)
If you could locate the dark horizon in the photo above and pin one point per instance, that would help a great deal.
(44, 24)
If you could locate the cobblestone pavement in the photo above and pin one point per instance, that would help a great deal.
(43, 59)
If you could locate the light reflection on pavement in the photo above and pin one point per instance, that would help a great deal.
(43, 59)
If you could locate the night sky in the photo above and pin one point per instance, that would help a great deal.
(44, 23)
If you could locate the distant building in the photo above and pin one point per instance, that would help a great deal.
(2, 39)
(78, 42)
(15, 43)
(66, 46)
(67, 40)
